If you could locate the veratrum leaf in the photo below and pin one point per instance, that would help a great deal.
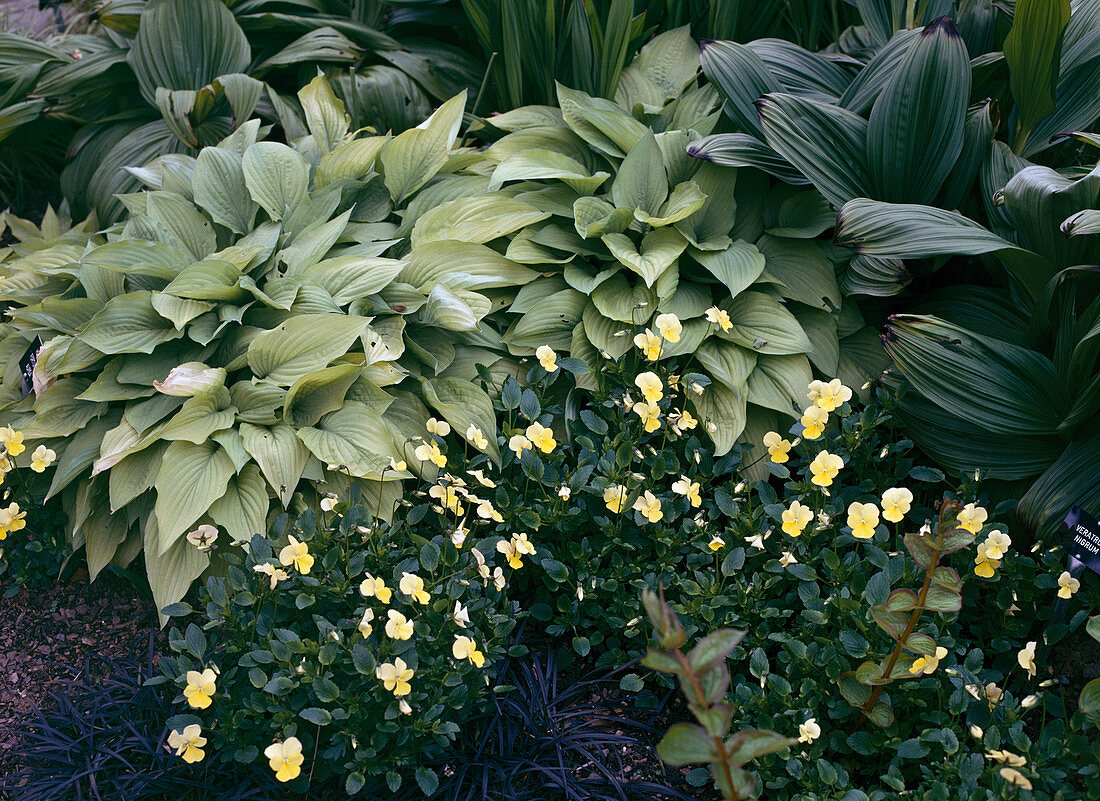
(742, 78)
(1032, 51)
(826, 143)
(915, 132)
(303, 344)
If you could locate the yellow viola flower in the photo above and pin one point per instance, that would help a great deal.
(328, 502)
(1014, 777)
(896, 503)
(13, 518)
(650, 507)
(928, 663)
(1026, 658)
(972, 518)
(188, 743)
(285, 758)
(541, 437)
(824, 468)
(689, 489)
(481, 479)
(719, 317)
(430, 452)
(777, 446)
(814, 420)
(458, 536)
(993, 694)
(757, 540)
(997, 544)
(200, 688)
(476, 438)
(398, 464)
(1067, 585)
(42, 458)
(413, 586)
(518, 444)
(465, 648)
(669, 327)
(650, 385)
(547, 358)
(565, 492)
(829, 396)
(716, 543)
(808, 731)
(796, 518)
(985, 565)
(395, 676)
(649, 344)
(514, 557)
(498, 579)
(650, 414)
(523, 545)
(12, 440)
(364, 626)
(375, 588)
(440, 428)
(297, 554)
(1007, 758)
(614, 497)
(787, 559)
(398, 627)
(862, 518)
(682, 421)
(486, 511)
(275, 574)
(203, 537)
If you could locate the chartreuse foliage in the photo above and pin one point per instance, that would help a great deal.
(704, 681)
(236, 335)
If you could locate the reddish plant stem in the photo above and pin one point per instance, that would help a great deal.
(719, 745)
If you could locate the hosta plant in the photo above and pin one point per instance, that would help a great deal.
(239, 333)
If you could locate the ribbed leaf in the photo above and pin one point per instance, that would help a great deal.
(742, 78)
(915, 131)
(191, 478)
(1032, 51)
(303, 344)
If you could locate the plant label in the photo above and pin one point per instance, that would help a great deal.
(1084, 538)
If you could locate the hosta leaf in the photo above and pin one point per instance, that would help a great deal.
(685, 200)
(617, 299)
(540, 165)
(411, 158)
(779, 382)
(550, 321)
(461, 265)
(349, 161)
(594, 217)
(351, 275)
(658, 250)
(280, 455)
(803, 272)
(180, 311)
(464, 404)
(727, 363)
(478, 220)
(355, 437)
(128, 324)
(200, 416)
(276, 176)
(722, 412)
(324, 113)
(449, 310)
(737, 267)
(186, 226)
(190, 479)
(303, 344)
(210, 279)
(601, 123)
(242, 510)
(611, 337)
(763, 326)
(641, 182)
(318, 393)
(171, 572)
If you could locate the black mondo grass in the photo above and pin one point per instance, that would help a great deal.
(546, 740)
(105, 740)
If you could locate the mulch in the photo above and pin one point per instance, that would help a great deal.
(65, 631)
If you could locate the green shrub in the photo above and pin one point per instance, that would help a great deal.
(300, 654)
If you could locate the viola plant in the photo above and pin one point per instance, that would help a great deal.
(341, 650)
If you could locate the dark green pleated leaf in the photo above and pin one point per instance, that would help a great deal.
(869, 83)
(875, 276)
(977, 138)
(1071, 480)
(882, 17)
(825, 142)
(744, 150)
(1038, 200)
(741, 77)
(915, 131)
(1001, 388)
(1033, 51)
(800, 71)
(909, 231)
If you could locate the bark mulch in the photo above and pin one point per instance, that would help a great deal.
(65, 631)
